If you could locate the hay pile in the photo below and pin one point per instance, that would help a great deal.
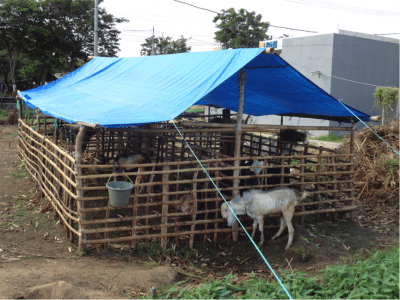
(376, 165)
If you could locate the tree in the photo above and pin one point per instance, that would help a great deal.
(22, 25)
(164, 45)
(54, 34)
(385, 98)
(240, 29)
(73, 23)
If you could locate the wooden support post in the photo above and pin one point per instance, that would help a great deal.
(79, 193)
(37, 121)
(334, 186)
(238, 143)
(194, 194)
(317, 196)
(139, 179)
(97, 144)
(302, 168)
(44, 125)
(164, 212)
(351, 177)
(216, 202)
(55, 140)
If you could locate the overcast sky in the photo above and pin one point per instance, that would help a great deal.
(175, 19)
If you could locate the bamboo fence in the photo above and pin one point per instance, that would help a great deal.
(62, 160)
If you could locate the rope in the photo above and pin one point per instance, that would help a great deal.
(265, 260)
(340, 101)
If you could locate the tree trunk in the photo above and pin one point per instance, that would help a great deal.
(72, 64)
(13, 56)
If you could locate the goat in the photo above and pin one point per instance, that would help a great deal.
(256, 171)
(258, 204)
(125, 159)
(188, 204)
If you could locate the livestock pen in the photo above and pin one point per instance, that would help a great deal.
(61, 158)
(84, 118)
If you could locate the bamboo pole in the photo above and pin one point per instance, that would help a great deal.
(302, 169)
(47, 169)
(238, 142)
(194, 194)
(135, 205)
(334, 185)
(180, 234)
(62, 151)
(260, 127)
(169, 215)
(79, 194)
(48, 194)
(317, 187)
(165, 199)
(351, 177)
(227, 159)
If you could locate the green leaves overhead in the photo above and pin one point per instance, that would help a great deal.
(240, 29)
(164, 45)
(53, 35)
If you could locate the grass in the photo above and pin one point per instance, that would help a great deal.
(376, 277)
(330, 138)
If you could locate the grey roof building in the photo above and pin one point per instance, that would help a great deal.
(348, 65)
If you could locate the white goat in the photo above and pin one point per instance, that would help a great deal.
(258, 204)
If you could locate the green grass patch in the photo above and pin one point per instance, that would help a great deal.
(330, 138)
(374, 278)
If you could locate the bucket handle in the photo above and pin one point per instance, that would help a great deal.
(115, 173)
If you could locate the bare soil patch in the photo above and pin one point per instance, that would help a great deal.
(35, 251)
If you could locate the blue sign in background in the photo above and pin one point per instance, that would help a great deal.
(273, 44)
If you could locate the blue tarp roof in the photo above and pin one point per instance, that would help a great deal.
(123, 92)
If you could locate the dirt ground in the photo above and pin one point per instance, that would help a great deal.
(34, 249)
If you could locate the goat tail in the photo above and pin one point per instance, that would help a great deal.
(302, 197)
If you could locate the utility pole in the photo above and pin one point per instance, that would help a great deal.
(96, 36)
(152, 43)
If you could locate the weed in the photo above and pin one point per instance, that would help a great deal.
(330, 138)
(79, 252)
(18, 175)
(302, 254)
(311, 242)
(310, 169)
(246, 152)
(3, 113)
(295, 161)
(376, 277)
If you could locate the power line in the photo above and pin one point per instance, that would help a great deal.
(336, 76)
(293, 28)
(330, 5)
(196, 6)
(268, 23)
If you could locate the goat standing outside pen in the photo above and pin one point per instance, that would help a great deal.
(257, 204)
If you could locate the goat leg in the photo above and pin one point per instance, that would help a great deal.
(254, 228)
(281, 229)
(288, 218)
(261, 227)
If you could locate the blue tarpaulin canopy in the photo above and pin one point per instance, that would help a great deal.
(123, 92)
